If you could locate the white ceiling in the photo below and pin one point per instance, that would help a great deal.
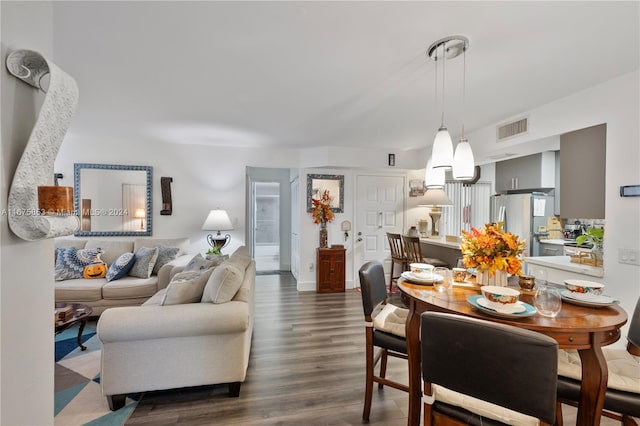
(303, 74)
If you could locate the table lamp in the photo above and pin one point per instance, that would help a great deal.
(435, 198)
(140, 214)
(218, 220)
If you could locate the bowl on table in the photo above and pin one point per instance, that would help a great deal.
(584, 287)
(500, 296)
(421, 268)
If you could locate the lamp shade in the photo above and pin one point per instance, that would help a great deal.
(139, 214)
(463, 162)
(435, 197)
(217, 220)
(433, 178)
(442, 152)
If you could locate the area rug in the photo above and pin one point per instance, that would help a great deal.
(78, 397)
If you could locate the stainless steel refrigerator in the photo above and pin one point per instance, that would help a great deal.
(524, 214)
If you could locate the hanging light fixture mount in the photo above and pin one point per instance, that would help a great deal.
(448, 47)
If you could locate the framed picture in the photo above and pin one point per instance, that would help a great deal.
(317, 184)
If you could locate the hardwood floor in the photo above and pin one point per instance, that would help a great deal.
(306, 368)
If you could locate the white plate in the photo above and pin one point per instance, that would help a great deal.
(529, 310)
(589, 300)
(503, 309)
(409, 276)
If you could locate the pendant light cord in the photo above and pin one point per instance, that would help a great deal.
(444, 59)
(464, 85)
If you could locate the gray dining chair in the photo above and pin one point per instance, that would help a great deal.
(384, 328)
(480, 372)
(622, 397)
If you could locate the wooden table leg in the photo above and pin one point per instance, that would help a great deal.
(82, 324)
(413, 354)
(594, 383)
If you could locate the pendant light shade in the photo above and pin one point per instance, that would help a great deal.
(433, 178)
(463, 162)
(442, 153)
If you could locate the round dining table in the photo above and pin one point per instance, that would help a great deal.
(586, 329)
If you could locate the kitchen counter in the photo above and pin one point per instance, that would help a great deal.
(442, 242)
(550, 241)
(560, 268)
(441, 249)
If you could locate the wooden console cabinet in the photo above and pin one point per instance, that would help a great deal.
(330, 270)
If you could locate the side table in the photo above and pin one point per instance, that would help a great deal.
(81, 314)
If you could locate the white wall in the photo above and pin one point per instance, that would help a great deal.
(616, 103)
(26, 268)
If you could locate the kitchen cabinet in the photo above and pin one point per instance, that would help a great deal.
(330, 270)
(551, 249)
(582, 172)
(529, 172)
(560, 268)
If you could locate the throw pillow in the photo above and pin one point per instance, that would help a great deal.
(145, 259)
(186, 287)
(121, 266)
(224, 283)
(96, 269)
(70, 262)
(198, 263)
(165, 255)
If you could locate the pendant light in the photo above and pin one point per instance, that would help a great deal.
(433, 178)
(463, 161)
(445, 48)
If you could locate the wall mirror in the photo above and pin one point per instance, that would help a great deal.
(317, 184)
(112, 200)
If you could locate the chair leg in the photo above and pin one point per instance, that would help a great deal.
(368, 392)
(383, 367)
(391, 276)
(628, 421)
(558, 413)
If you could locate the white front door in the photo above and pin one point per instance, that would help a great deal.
(380, 205)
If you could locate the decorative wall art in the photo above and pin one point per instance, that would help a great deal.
(317, 184)
(165, 186)
(35, 167)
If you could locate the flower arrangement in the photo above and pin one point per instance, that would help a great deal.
(321, 211)
(492, 249)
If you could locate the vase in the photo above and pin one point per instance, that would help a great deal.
(324, 235)
(498, 279)
(597, 251)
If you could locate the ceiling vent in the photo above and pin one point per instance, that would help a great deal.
(515, 128)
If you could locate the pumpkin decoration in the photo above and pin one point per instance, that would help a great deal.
(97, 269)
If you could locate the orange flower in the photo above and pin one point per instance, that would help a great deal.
(491, 249)
(321, 211)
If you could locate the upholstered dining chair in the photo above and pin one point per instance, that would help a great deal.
(398, 257)
(622, 397)
(384, 328)
(413, 251)
(480, 372)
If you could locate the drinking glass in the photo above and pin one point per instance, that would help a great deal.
(547, 300)
(445, 284)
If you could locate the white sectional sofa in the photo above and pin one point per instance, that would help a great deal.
(125, 291)
(158, 346)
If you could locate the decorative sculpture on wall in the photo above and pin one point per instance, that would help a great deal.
(167, 206)
(36, 164)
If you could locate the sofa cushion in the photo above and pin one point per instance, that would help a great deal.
(165, 255)
(79, 290)
(156, 299)
(186, 287)
(70, 262)
(112, 249)
(223, 284)
(182, 243)
(121, 266)
(145, 260)
(130, 288)
(199, 263)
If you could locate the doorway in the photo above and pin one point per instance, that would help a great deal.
(380, 207)
(268, 218)
(266, 225)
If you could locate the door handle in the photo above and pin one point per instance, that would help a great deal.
(358, 240)
(379, 220)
